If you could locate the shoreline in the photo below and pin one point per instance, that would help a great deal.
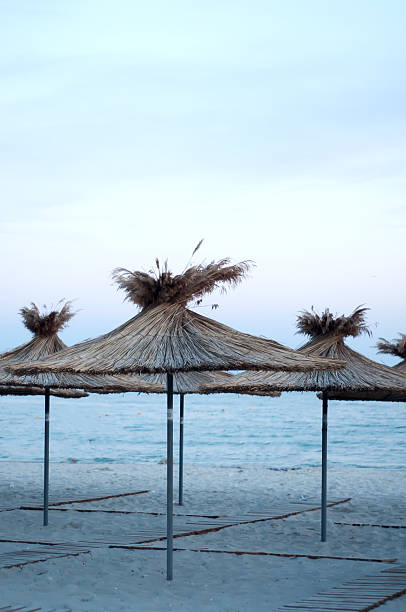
(247, 466)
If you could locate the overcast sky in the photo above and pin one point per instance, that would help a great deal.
(275, 130)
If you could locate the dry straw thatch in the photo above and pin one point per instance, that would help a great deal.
(66, 393)
(19, 391)
(46, 342)
(310, 323)
(188, 382)
(162, 287)
(327, 334)
(47, 325)
(184, 383)
(367, 396)
(396, 347)
(166, 337)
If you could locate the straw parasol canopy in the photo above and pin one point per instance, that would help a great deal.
(189, 382)
(396, 347)
(327, 333)
(66, 393)
(45, 342)
(185, 383)
(167, 337)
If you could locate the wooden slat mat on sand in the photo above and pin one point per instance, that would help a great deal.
(259, 553)
(18, 558)
(358, 595)
(19, 608)
(188, 525)
(275, 512)
(371, 525)
(96, 496)
(184, 525)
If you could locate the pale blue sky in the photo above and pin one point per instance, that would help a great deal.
(276, 130)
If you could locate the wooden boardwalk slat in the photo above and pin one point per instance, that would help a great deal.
(25, 609)
(25, 557)
(22, 608)
(358, 595)
(62, 502)
(372, 525)
(99, 498)
(257, 552)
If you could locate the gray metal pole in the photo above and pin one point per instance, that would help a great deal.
(169, 478)
(46, 457)
(324, 469)
(181, 413)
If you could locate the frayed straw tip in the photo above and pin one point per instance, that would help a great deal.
(46, 324)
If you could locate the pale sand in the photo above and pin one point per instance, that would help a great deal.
(116, 579)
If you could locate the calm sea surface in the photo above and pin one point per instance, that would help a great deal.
(219, 430)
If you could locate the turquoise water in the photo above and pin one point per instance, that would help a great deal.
(219, 430)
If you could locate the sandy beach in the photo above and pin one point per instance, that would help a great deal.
(100, 577)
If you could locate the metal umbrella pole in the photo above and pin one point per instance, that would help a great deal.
(169, 478)
(46, 457)
(181, 418)
(324, 469)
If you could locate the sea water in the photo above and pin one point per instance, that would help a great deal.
(281, 433)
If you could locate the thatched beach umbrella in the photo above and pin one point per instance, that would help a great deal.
(166, 337)
(45, 342)
(327, 334)
(396, 347)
